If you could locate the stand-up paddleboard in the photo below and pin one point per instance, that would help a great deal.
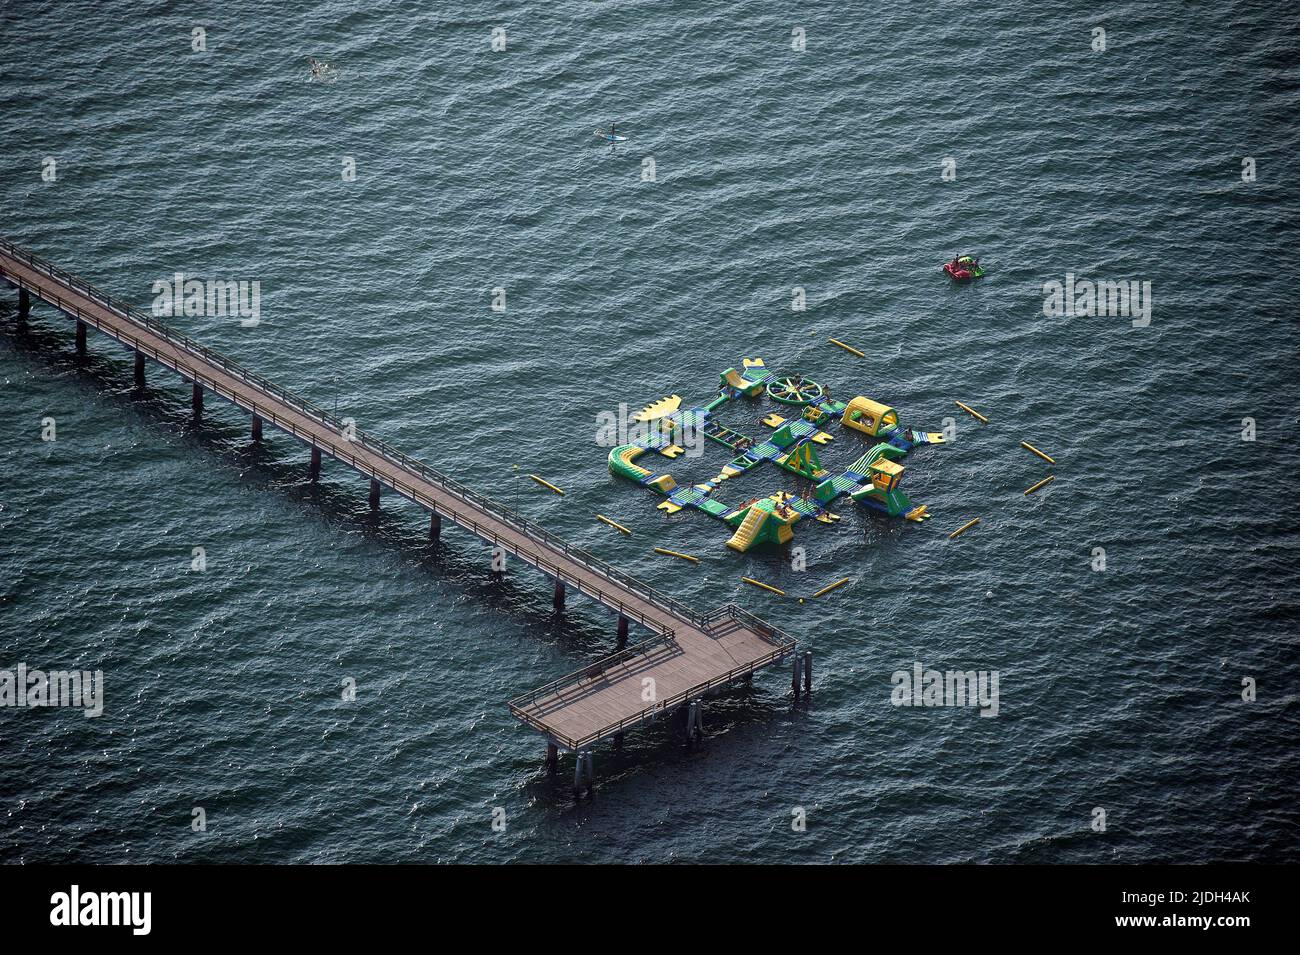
(612, 138)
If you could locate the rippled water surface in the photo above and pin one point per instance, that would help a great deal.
(774, 169)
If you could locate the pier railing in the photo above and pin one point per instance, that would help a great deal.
(574, 681)
(374, 445)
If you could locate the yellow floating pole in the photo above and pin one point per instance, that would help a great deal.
(768, 587)
(964, 528)
(971, 411)
(1043, 483)
(673, 553)
(614, 524)
(829, 587)
(1049, 460)
(836, 341)
(547, 484)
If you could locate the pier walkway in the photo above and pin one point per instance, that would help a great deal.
(688, 655)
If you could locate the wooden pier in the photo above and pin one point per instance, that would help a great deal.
(689, 654)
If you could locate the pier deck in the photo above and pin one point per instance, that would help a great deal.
(689, 653)
(613, 695)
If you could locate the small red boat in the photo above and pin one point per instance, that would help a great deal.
(964, 268)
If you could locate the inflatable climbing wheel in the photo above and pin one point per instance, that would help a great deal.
(795, 390)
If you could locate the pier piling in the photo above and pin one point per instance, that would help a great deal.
(622, 631)
(257, 429)
(807, 672)
(583, 773)
(559, 595)
(374, 494)
(24, 305)
(313, 470)
(695, 721)
(552, 757)
(139, 369)
(81, 338)
(196, 399)
(794, 677)
(435, 526)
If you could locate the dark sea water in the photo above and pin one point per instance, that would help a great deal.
(774, 169)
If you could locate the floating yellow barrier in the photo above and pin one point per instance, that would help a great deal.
(836, 341)
(768, 587)
(964, 528)
(614, 524)
(829, 587)
(971, 411)
(1049, 460)
(673, 553)
(547, 484)
(1043, 483)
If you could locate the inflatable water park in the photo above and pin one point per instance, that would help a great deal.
(800, 417)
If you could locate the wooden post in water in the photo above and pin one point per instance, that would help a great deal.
(583, 772)
(374, 494)
(552, 757)
(435, 526)
(81, 337)
(622, 632)
(196, 399)
(559, 595)
(24, 306)
(257, 428)
(313, 470)
(794, 677)
(139, 369)
(807, 672)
